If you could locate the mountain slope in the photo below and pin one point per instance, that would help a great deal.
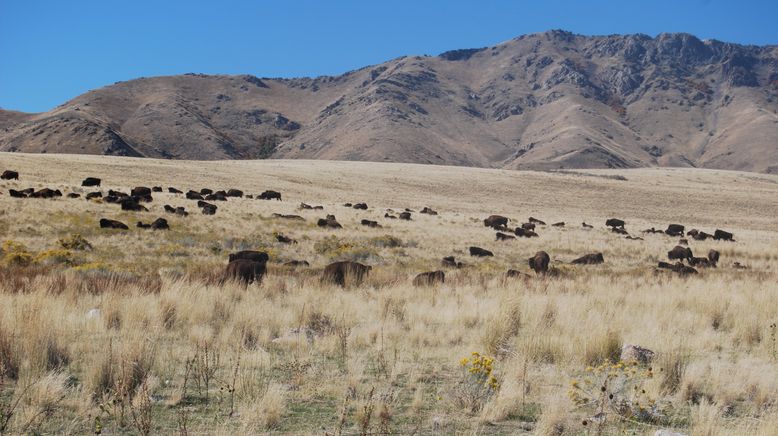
(541, 101)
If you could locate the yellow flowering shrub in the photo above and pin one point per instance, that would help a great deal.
(478, 382)
(15, 253)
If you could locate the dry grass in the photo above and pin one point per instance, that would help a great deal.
(136, 313)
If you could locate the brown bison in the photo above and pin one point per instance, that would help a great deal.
(245, 271)
(216, 196)
(589, 259)
(391, 217)
(343, 273)
(451, 262)
(234, 193)
(112, 224)
(270, 195)
(586, 226)
(619, 230)
(504, 237)
(173, 190)
(536, 221)
(679, 268)
(674, 230)
(156, 189)
(701, 236)
(194, 195)
(524, 233)
(46, 193)
(703, 262)
(429, 278)
(96, 194)
(713, 256)
(369, 223)
(16, 194)
(721, 235)
(680, 253)
(330, 222)
(255, 256)
(206, 191)
(495, 221)
(9, 175)
(559, 224)
(289, 216)
(131, 204)
(91, 181)
(74, 195)
(428, 211)
(284, 239)
(615, 222)
(480, 252)
(539, 262)
(360, 206)
(528, 226)
(405, 216)
(158, 224)
(140, 191)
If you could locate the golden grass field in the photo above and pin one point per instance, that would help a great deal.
(137, 335)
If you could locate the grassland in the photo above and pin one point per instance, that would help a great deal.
(136, 334)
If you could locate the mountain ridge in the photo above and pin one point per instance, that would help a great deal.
(550, 100)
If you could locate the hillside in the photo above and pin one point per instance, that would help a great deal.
(543, 101)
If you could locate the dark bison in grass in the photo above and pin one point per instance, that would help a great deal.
(539, 262)
(678, 267)
(589, 259)
(329, 222)
(675, 230)
(721, 235)
(480, 252)
(680, 253)
(9, 175)
(370, 223)
(495, 221)
(270, 195)
(173, 190)
(504, 237)
(451, 262)
(345, 273)
(16, 194)
(429, 278)
(256, 256)
(234, 193)
(405, 216)
(360, 206)
(91, 181)
(713, 256)
(536, 221)
(615, 223)
(428, 211)
(528, 226)
(112, 224)
(524, 233)
(559, 224)
(245, 271)
(194, 195)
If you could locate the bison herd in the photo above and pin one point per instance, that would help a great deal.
(248, 267)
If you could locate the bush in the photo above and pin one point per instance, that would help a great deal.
(336, 249)
(478, 383)
(15, 253)
(75, 242)
(55, 256)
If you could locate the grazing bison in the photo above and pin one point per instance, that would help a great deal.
(347, 204)
(391, 217)
(429, 278)
(342, 273)
(539, 262)
(234, 193)
(209, 209)
(619, 230)
(428, 211)
(524, 233)
(536, 221)
(496, 221)
(160, 224)
(173, 190)
(528, 226)
(679, 268)
(369, 223)
(131, 204)
(270, 195)
(46, 193)
(74, 195)
(9, 175)
(713, 256)
(255, 256)
(361, 206)
(16, 194)
(504, 237)
(675, 230)
(586, 226)
(112, 224)
(206, 191)
(559, 224)
(405, 216)
(284, 239)
(216, 196)
(194, 195)
(91, 181)
(480, 252)
(680, 253)
(614, 223)
(721, 235)
(297, 263)
(330, 222)
(450, 261)
(140, 191)
(589, 259)
(245, 271)
(701, 236)
(96, 194)
(289, 216)
(156, 189)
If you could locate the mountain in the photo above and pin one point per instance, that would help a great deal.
(542, 101)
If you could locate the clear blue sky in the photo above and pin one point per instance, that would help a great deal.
(51, 51)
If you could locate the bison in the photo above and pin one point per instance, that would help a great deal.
(721, 235)
(559, 224)
(270, 195)
(234, 193)
(701, 236)
(208, 209)
(528, 226)
(361, 206)
(405, 216)
(524, 233)
(503, 237)
(615, 222)
(679, 268)
(297, 263)
(330, 222)
(74, 195)
(343, 273)
(589, 259)
(91, 182)
(206, 191)
(173, 190)
(428, 211)
(255, 256)
(514, 274)
(675, 230)
(112, 224)
(140, 191)
(539, 262)
(289, 216)
(713, 256)
(285, 239)
(586, 226)
(391, 217)
(495, 221)
(680, 253)
(369, 223)
(703, 262)
(429, 278)
(536, 221)
(16, 194)
(156, 189)
(245, 271)
(450, 261)
(9, 175)
(480, 252)
(194, 195)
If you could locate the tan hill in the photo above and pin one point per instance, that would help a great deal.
(542, 101)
